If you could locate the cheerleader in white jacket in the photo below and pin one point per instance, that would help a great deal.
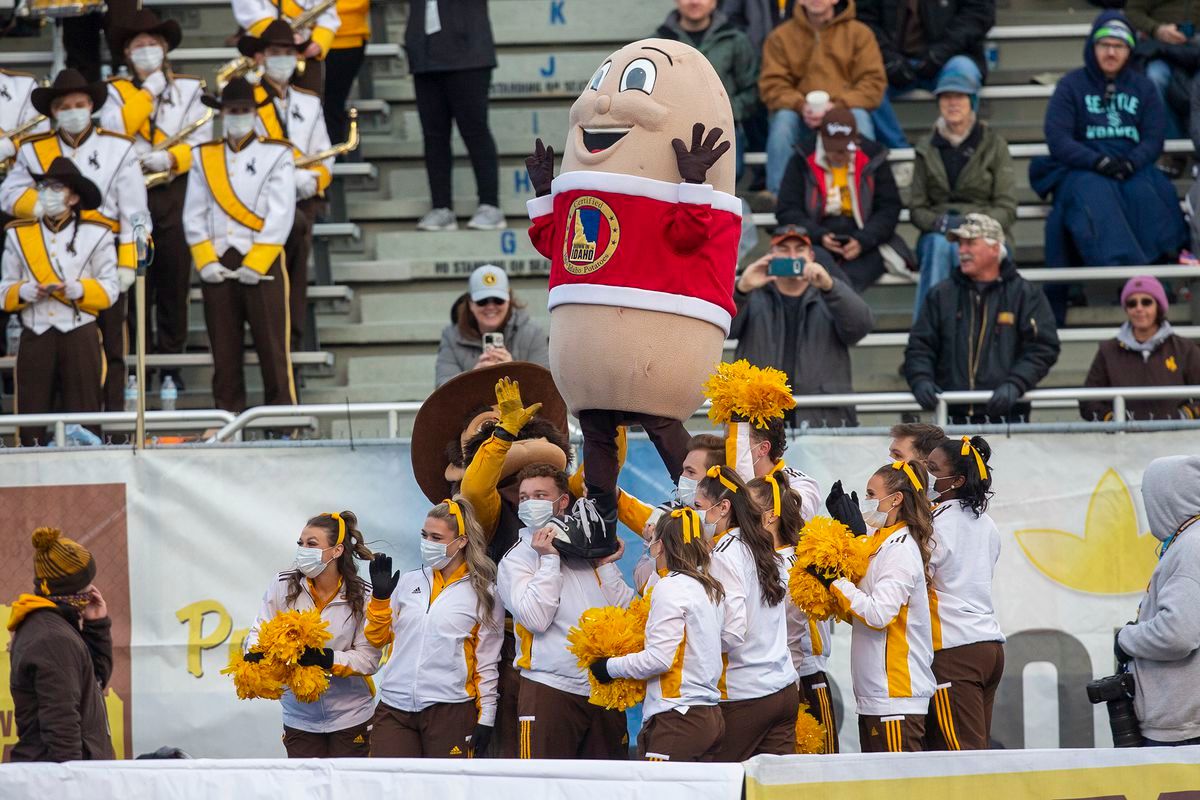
(445, 625)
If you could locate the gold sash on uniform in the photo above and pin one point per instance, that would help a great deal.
(33, 246)
(212, 156)
(268, 114)
(128, 92)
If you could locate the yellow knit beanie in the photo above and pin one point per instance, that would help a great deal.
(60, 565)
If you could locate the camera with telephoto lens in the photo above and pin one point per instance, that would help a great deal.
(1117, 692)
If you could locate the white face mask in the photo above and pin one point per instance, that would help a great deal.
(535, 513)
(148, 58)
(280, 68)
(74, 120)
(434, 554)
(685, 490)
(54, 201)
(710, 528)
(871, 513)
(931, 491)
(238, 125)
(309, 560)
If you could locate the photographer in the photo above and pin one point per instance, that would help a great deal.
(800, 322)
(1163, 647)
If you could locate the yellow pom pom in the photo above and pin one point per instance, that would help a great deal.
(810, 732)
(286, 636)
(742, 391)
(44, 538)
(829, 546)
(307, 683)
(281, 640)
(607, 632)
(255, 680)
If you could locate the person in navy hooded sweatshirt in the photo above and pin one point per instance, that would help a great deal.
(1104, 127)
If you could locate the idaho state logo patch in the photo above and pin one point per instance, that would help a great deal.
(593, 233)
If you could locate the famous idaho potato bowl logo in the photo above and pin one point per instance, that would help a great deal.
(593, 234)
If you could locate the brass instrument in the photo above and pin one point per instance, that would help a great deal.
(159, 178)
(15, 134)
(241, 65)
(348, 146)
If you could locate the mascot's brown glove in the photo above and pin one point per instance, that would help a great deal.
(540, 167)
(513, 414)
(695, 163)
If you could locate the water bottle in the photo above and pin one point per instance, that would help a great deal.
(131, 392)
(991, 53)
(168, 394)
(13, 334)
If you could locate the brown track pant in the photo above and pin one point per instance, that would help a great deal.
(298, 250)
(815, 689)
(558, 724)
(67, 364)
(349, 743)
(960, 714)
(443, 730)
(898, 733)
(506, 735)
(764, 725)
(671, 736)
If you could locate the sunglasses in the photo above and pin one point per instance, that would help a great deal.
(490, 301)
(1144, 302)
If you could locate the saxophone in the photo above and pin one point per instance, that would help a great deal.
(347, 146)
(242, 65)
(15, 134)
(165, 176)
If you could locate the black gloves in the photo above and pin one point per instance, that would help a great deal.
(845, 509)
(1123, 658)
(1116, 168)
(312, 657)
(540, 167)
(600, 670)
(252, 657)
(695, 163)
(811, 569)
(947, 222)
(928, 68)
(383, 580)
(900, 73)
(481, 737)
(1004, 397)
(926, 393)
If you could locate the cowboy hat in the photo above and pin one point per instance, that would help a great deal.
(145, 21)
(67, 82)
(278, 33)
(63, 170)
(444, 415)
(238, 90)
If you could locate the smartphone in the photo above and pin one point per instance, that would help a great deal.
(786, 267)
(842, 240)
(1188, 29)
(491, 341)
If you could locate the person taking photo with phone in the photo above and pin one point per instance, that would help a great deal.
(801, 316)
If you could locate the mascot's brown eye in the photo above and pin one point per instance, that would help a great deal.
(600, 75)
(640, 75)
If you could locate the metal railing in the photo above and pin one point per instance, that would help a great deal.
(200, 419)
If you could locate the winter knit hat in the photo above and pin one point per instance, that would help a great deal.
(1115, 29)
(1146, 284)
(60, 565)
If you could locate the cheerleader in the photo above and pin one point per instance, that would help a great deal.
(759, 697)
(891, 648)
(809, 641)
(445, 624)
(968, 647)
(681, 660)
(325, 577)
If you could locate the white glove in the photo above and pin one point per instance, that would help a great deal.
(155, 83)
(156, 160)
(306, 184)
(7, 149)
(125, 277)
(74, 289)
(28, 292)
(214, 273)
(247, 276)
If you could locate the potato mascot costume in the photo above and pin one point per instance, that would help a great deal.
(641, 227)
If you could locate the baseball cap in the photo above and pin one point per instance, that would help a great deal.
(838, 130)
(785, 232)
(488, 281)
(977, 226)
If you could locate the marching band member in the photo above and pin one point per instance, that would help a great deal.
(16, 109)
(110, 161)
(237, 214)
(759, 695)
(681, 659)
(968, 646)
(546, 593)
(755, 452)
(59, 272)
(338, 723)
(891, 645)
(295, 115)
(152, 107)
(809, 640)
(445, 625)
(255, 15)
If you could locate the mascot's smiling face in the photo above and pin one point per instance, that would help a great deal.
(643, 96)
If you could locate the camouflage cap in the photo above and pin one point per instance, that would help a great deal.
(977, 226)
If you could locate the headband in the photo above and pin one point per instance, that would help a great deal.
(970, 448)
(456, 512)
(341, 527)
(716, 472)
(776, 500)
(692, 525)
(912, 476)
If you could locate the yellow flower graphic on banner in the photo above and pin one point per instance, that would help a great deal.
(1111, 557)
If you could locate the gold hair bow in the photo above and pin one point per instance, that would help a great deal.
(912, 476)
(776, 499)
(970, 448)
(341, 527)
(456, 512)
(719, 474)
(692, 524)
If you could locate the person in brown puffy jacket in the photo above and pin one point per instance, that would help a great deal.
(1145, 352)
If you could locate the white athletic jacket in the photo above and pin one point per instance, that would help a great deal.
(966, 549)
(754, 636)
(443, 650)
(546, 596)
(891, 646)
(349, 700)
(681, 661)
(737, 455)
(809, 641)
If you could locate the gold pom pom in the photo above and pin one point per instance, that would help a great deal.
(605, 633)
(810, 732)
(282, 640)
(254, 680)
(829, 546)
(742, 391)
(44, 538)
(286, 636)
(307, 683)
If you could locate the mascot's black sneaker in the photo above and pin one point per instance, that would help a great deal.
(581, 532)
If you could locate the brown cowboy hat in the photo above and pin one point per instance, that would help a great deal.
(444, 413)
(67, 82)
(63, 170)
(145, 21)
(278, 33)
(238, 90)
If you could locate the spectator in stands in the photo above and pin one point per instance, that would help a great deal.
(961, 167)
(1104, 126)
(489, 307)
(841, 190)
(803, 324)
(1145, 352)
(757, 18)
(914, 441)
(922, 42)
(700, 24)
(451, 56)
(1170, 24)
(985, 328)
(824, 49)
